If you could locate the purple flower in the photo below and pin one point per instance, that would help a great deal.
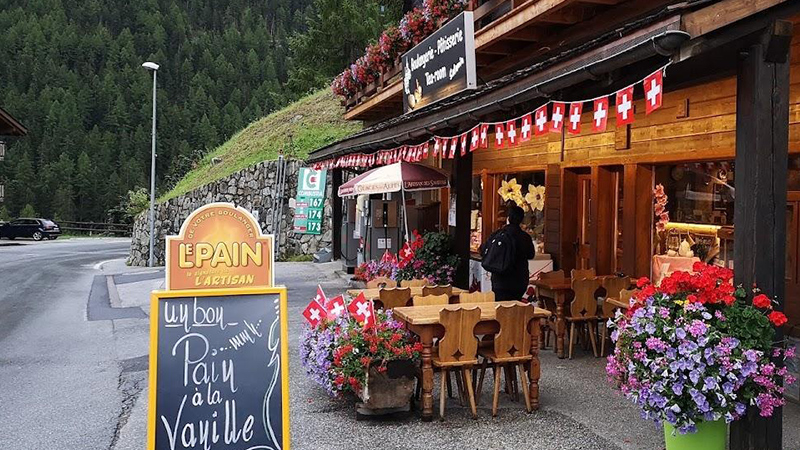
(697, 328)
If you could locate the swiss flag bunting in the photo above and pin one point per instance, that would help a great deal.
(575, 110)
(463, 144)
(540, 121)
(475, 139)
(314, 313)
(526, 128)
(362, 310)
(600, 115)
(624, 106)
(499, 136)
(484, 136)
(425, 147)
(437, 144)
(511, 133)
(653, 90)
(453, 147)
(557, 117)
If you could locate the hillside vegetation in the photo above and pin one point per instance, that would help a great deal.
(301, 127)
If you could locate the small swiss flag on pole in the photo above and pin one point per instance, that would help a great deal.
(335, 307)
(653, 90)
(625, 106)
(600, 115)
(525, 128)
(362, 310)
(484, 136)
(314, 313)
(499, 136)
(557, 118)
(541, 123)
(320, 297)
(575, 110)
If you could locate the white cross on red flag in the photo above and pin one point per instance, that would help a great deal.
(484, 136)
(336, 307)
(362, 310)
(499, 136)
(540, 121)
(511, 133)
(453, 147)
(314, 313)
(653, 91)
(320, 297)
(437, 144)
(600, 115)
(525, 128)
(475, 139)
(557, 118)
(425, 148)
(463, 144)
(624, 106)
(575, 110)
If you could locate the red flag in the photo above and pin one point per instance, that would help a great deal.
(600, 115)
(463, 144)
(575, 110)
(499, 136)
(557, 118)
(511, 133)
(625, 106)
(314, 313)
(437, 144)
(320, 297)
(362, 310)
(484, 136)
(425, 147)
(540, 116)
(475, 139)
(453, 147)
(525, 129)
(653, 90)
(335, 307)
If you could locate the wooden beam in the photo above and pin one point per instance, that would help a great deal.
(721, 14)
(461, 183)
(359, 112)
(568, 16)
(533, 33)
(520, 18)
(762, 149)
(603, 2)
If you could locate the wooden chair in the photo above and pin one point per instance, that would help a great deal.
(428, 300)
(548, 327)
(381, 282)
(476, 297)
(414, 283)
(438, 290)
(394, 297)
(583, 310)
(610, 311)
(579, 274)
(458, 350)
(511, 350)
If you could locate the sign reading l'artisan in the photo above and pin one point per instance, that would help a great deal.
(441, 65)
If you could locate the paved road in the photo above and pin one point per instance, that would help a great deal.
(58, 374)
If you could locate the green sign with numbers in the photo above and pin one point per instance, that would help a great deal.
(310, 208)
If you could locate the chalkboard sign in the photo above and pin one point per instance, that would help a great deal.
(219, 370)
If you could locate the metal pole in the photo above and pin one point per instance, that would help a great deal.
(153, 174)
(405, 213)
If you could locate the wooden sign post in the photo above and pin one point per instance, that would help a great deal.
(218, 339)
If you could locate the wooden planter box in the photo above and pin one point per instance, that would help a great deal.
(388, 392)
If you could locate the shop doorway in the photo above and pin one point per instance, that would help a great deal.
(792, 302)
(583, 245)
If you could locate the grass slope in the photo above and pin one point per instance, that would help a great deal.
(313, 121)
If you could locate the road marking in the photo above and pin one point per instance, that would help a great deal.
(99, 266)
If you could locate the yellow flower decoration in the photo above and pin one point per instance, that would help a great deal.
(509, 189)
(517, 198)
(535, 197)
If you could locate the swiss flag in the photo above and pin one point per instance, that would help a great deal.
(653, 91)
(557, 118)
(600, 115)
(463, 144)
(625, 106)
(475, 139)
(362, 310)
(425, 148)
(336, 307)
(499, 136)
(575, 110)
(314, 313)
(525, 128)
(437, 144)
(453, 147)
(511, 133)
(484, 136)
(320, 297)
(540, 121)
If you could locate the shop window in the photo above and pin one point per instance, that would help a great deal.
(476, 215)
(526, 190)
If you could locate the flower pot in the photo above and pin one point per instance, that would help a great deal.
(709, 436)
(390, 391)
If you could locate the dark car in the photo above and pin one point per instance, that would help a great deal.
(37, 229)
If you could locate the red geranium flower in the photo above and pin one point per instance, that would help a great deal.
(762, 301)
(641, 282)
(777, 318)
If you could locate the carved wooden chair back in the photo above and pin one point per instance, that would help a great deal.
(579, 274)
(444, 289)
(428, 300)
(584, 305)
(381, 282)
(459, 343)
(395, 297)
(414, 283)
(513, 340)
(613, 285)
(547, 302)
(626, 294)
(476, 297)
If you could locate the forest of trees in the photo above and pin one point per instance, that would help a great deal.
(71, 72)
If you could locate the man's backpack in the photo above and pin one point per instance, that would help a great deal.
(498, 252)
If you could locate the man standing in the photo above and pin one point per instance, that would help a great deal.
(510, 277)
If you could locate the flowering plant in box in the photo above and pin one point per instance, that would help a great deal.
(372, 269)
(432, 260)
(694, 349)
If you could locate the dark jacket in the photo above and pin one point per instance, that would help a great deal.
(511, 285)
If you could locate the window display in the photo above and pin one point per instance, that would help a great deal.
(526, 190)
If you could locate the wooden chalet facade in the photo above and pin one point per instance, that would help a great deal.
(9, 127)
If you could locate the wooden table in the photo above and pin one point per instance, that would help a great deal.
(558, 289)
(374, 293)
(424, 322)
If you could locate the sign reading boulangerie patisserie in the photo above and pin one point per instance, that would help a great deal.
(441, 65)
(219, 354)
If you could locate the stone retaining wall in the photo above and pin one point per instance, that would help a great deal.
(253, 189)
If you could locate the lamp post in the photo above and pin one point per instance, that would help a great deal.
(154, 67)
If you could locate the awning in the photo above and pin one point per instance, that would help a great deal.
(393, 178)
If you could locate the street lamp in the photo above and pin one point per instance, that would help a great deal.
(154, 67)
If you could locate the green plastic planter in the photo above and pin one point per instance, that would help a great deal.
(709, 436)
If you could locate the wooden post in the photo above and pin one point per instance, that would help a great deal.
(604, 246)
(336, 221)
(762, 147)
(637, 210)
(461, 185)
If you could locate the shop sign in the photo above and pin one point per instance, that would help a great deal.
(441, 65)
(219, 355)
(310, 204)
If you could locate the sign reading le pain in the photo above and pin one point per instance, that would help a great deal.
(218, 352)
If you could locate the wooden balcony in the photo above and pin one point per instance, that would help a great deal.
(509, 35)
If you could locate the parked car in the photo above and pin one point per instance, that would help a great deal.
(37, 229)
